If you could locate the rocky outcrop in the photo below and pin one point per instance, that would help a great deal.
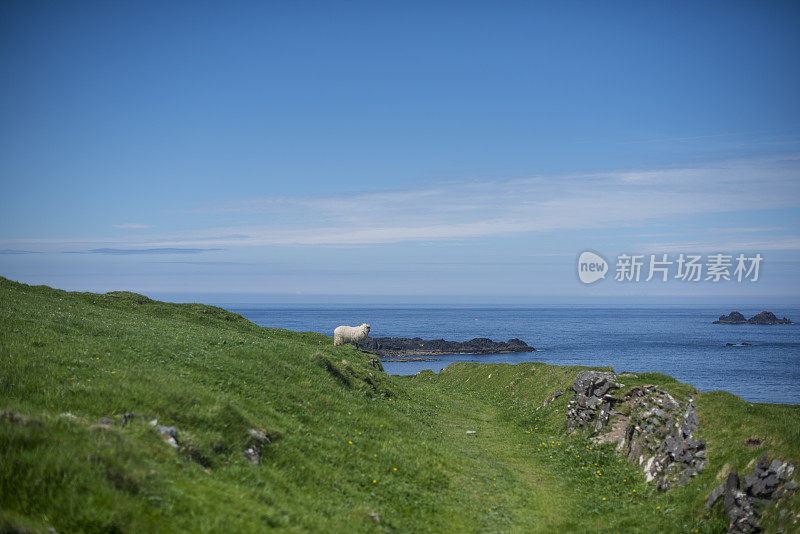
(765, 317)
(657, 432)
(403, 346)
(591, 406)
(734, 318)
(660, 437)
(741, 501)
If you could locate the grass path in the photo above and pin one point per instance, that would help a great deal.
(505, 483)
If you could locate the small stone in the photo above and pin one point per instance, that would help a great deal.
(759, 488)
(772, 480)
(125, 418)
(375, 516)
(700, 466)
(749, 481)
(785, 470)
(105, 421)
(731, 488)
(790, 485)
(775, 466)
(472, 432)
(762, 463)
(789, 470)
(714, 496)
(169, 431)
(252, 455)
(258, 435)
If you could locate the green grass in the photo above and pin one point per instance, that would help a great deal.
(348, 440)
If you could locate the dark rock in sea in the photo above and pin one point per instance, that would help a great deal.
(734, 318)
(412, 359)
(765, 317)
(403, 346)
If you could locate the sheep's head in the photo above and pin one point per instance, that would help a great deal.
(365, 326)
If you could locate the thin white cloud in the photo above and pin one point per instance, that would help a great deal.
(466, 210)
(132, 226)
(724, 246)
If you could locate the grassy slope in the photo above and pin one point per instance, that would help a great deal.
(214, 375)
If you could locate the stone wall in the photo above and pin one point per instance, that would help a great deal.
(659, 436)
(649, 426)
(656, 431)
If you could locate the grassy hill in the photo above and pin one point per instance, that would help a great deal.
(349, 448)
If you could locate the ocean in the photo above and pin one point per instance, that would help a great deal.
(679, 342)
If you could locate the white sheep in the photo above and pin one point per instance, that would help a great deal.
(350, 334)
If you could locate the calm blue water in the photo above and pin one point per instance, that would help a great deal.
(679, 342)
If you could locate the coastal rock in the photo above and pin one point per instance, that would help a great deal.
(734, 318)
(403, 346)
(766, 317)
(763, 318)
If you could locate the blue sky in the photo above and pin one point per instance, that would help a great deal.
(379, 150)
